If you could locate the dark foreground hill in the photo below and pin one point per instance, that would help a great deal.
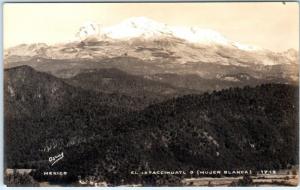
(29, 93)
(249, 128)
(39, 108)
(237, 128)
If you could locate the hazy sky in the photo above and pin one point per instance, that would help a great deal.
(268, 25)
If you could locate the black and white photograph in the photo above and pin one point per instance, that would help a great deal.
(151, 94)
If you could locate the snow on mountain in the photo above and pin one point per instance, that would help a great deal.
(246, 47)
(142, 27)
(199, 35)
(149, 40)
(137, 27)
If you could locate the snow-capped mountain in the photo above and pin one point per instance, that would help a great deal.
(152, 41)
(142, 27)
(137, 27)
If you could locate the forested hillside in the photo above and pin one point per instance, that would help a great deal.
(100, 134)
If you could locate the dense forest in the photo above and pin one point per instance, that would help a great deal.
(108, 135)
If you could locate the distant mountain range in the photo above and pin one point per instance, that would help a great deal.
(197, 76)
(149, 49)
(150, 40)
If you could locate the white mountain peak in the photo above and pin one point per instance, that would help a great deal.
(142, 27)
(137, 27)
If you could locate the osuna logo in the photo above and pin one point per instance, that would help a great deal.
(53, 160)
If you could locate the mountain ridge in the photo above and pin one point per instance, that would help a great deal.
(147, 28)
(149, 40)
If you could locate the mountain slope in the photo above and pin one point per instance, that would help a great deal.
(29, 93)
(248, 128)
(39, 106)
(112, 80)
(195, 76)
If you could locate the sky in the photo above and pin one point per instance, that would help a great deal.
(273, 26)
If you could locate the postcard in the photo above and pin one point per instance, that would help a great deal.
(151, 94)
